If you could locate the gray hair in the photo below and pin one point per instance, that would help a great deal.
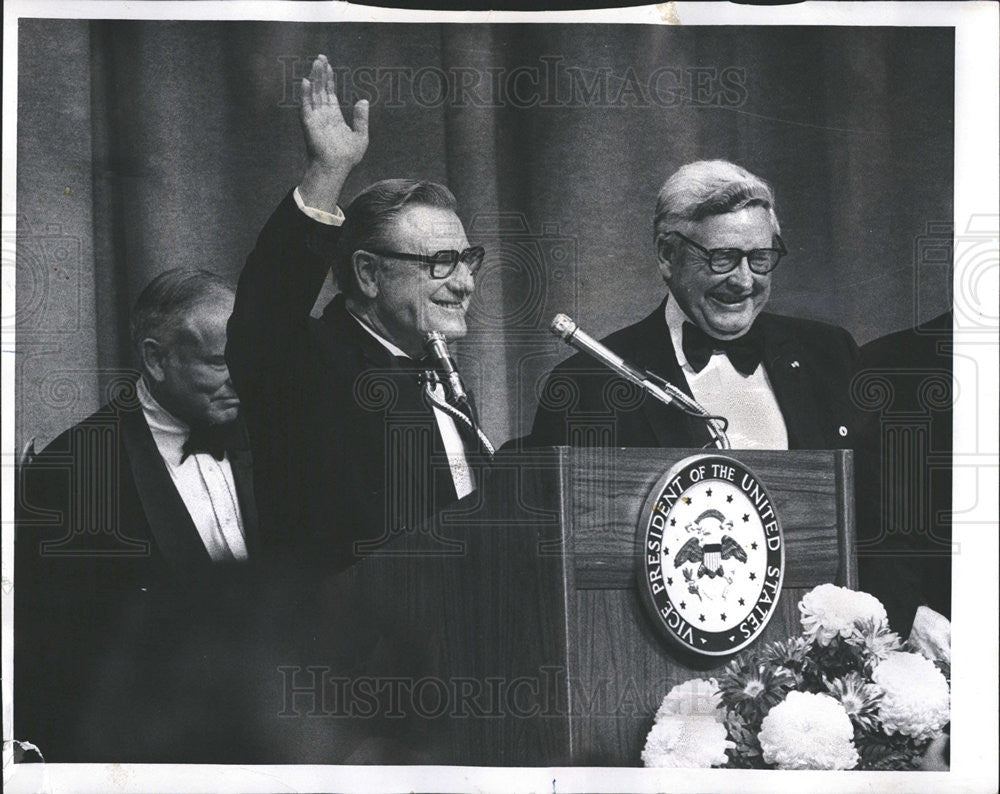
(164, 303)
(370, 215)
(709, 187)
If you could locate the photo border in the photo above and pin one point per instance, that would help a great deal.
(975, 580)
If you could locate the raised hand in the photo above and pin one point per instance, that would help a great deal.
(332, 146)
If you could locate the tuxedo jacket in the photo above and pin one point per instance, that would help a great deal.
(346, 451)
(904, 493)
(809, 364)
(103, 541)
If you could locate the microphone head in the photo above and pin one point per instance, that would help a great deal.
(562, 326)
(434, 342)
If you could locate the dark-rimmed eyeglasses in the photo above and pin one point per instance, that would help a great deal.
(724, 260)
(442, 263)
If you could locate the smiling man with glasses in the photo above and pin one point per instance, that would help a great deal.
(780, 382)
(354, 437)
(404, 263)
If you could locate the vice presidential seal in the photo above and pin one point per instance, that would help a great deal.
(710, 555)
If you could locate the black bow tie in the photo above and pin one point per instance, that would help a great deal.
(415, 366)
(426, 368)
(206, 438)
(745, 352)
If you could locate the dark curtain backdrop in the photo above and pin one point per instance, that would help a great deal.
(149, 145)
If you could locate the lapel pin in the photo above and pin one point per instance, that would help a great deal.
(794, 365)
(842, 431)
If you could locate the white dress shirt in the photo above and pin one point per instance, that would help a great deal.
(454, 448)
(747, 401)
(206, 485)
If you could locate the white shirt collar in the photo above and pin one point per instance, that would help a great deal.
(168, 431)
(676, 318)
(394, 349)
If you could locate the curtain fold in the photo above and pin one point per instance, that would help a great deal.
(149, 145)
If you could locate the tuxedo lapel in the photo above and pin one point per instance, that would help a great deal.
(339, 333)
(783, 359)
(343, 338)
(170, 524)
(671, 426)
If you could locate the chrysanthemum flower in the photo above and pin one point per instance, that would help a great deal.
(808, 731)
(753, 688)
(786, 653)
(697, 697)
(828, 611)
(916, 700)
(788, 656)
(694, 742)
(859, 698)
(874, 640)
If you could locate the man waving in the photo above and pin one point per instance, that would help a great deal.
(354, 439)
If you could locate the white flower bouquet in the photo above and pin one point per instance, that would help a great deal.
(846, 694)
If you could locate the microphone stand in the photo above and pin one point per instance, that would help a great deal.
(664, 391)
(438, 349)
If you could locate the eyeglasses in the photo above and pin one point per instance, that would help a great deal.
(724, 260)
(442, 263)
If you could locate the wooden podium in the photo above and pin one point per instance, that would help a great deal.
(512, 624)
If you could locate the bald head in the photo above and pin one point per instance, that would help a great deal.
(178, 329)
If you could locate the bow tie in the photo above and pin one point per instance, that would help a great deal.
(745, 352)
(425, 369)
(414, 366)
(205, 438)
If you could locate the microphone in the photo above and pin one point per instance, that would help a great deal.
(567, 330)
(437, 347)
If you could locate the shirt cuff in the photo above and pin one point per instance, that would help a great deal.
(328, 218)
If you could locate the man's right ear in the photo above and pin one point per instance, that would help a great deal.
(365, 267)
(664, 256)
(153, 354)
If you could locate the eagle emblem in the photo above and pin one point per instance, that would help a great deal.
(710, 555)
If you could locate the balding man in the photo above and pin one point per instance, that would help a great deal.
(124, 514)
(781, 382)
(162, 472)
